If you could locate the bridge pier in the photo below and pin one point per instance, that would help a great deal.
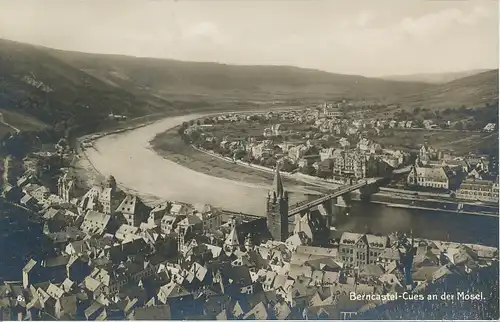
(341, 202)
(337, 207)
(367, 191)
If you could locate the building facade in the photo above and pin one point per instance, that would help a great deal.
(361, 249)
(437, 177)
(479, 190)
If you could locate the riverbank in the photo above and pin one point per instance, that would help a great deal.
(137, 168)
(170, 146)
(430, 204)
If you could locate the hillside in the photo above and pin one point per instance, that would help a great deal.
(177, 79)
(434, 78)
(36, 84)
(62, 88)
(472, 91)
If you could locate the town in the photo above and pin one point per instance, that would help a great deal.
(112, 256)
(326, 142)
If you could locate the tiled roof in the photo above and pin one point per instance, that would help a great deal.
(29, 266)
(91, 284)
(377, 241)
(432, 174)
(350, 238)
(158, 312)
(317, 251)
(55, 291)
(425, 273)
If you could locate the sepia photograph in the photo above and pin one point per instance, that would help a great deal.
(249, 160)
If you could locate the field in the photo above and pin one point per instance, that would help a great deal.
(461, 142)
(21, 121)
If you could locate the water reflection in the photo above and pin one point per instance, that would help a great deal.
(437, 225)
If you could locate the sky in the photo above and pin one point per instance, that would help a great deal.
(363, 37)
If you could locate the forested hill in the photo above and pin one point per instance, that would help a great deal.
(68, 88)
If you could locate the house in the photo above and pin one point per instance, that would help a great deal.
(152, 313)
(358, 249)
(90, 201)
(106, 200)
(134, 210)
(429, 124)
(172, 292)
(426, 154)
(308, 160)
(210, 220)
(436, 177)
(167, 223)
(94, 223)
(490, 127)
(125, 231)
(326, 154)
(297, 152)
(387, 258)
(28, 201)
(364, 145)
(27, 178)
(424, 274)
(480, 190)
(158, 212)
(95, 312)
(31, 273)
(93, 286)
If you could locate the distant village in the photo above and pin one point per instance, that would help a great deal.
(324, 143)
(114, 257)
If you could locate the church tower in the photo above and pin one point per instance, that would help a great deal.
(277, 209)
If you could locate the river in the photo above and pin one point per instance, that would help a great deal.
(130, 159)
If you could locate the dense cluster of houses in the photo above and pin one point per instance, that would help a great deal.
(118, 258)
(320, 153)
(470, 176)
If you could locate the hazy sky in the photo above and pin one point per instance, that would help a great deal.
(371, 37)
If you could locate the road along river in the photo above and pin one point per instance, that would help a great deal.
(129, 157)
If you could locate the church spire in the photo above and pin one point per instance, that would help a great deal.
(278, 184)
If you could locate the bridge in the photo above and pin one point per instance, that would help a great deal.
(339, 192)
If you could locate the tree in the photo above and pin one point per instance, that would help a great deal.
(459, 126)
(419, 123)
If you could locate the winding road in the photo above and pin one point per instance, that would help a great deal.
(129, 157)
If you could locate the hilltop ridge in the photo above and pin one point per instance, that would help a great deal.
(434, 78)
(61, 87)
